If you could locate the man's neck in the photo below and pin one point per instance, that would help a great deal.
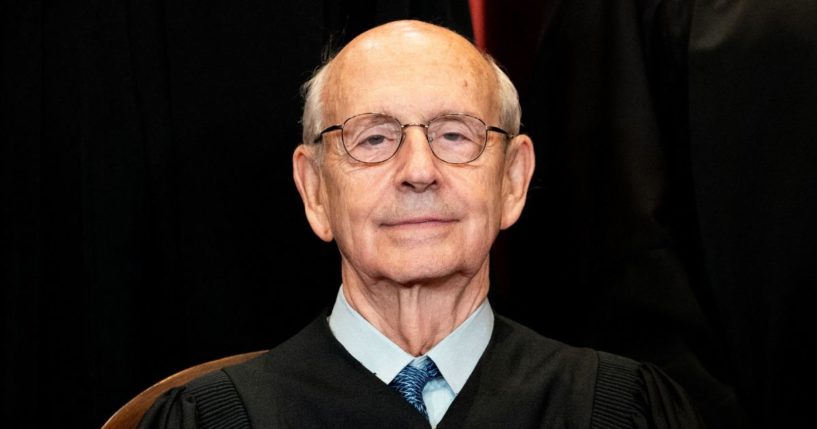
(417, 316)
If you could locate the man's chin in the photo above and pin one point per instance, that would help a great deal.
(421, 274)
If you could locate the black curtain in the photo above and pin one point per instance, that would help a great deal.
(611, 217)
(152, 223)
(672, 214)
(753, 147)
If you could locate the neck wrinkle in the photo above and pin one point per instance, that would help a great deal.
(417, 317)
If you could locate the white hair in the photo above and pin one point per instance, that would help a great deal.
(510, 112)
(312, 90)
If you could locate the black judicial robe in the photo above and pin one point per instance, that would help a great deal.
(523, 380)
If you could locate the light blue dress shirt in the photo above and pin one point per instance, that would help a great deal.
(456, 355)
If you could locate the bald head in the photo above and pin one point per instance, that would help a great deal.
(394, 53)
(390, 42)
(404, 57)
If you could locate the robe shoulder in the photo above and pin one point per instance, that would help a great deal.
(523, 380)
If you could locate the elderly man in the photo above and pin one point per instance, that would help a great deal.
(412, 163)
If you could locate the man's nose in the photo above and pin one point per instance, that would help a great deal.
(418, 166)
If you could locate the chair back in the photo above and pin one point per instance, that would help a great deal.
(129, 416)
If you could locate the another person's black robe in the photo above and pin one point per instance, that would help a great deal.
(523, 380)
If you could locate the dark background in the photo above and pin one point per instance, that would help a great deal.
(151, 222)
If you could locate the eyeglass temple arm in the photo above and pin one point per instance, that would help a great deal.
(331, 128)
(499, 130)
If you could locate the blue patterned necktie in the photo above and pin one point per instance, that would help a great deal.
(410, 382)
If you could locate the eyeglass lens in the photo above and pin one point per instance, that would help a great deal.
(375, 138)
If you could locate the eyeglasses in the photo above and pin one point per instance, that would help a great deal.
(373, 138)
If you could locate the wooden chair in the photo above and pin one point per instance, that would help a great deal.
(129, 416)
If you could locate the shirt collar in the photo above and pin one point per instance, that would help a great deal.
(456, 355)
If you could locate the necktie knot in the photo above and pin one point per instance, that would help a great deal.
(411, 380)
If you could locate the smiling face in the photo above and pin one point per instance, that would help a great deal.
(413, 218)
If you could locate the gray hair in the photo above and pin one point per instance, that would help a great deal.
(510, 112)
(313, 107)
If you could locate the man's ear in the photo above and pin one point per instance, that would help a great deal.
(307, 174)
(519, 164)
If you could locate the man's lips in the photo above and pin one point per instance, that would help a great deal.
(418, 221)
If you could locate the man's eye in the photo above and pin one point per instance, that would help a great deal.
(374, 140)
(454, 137)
